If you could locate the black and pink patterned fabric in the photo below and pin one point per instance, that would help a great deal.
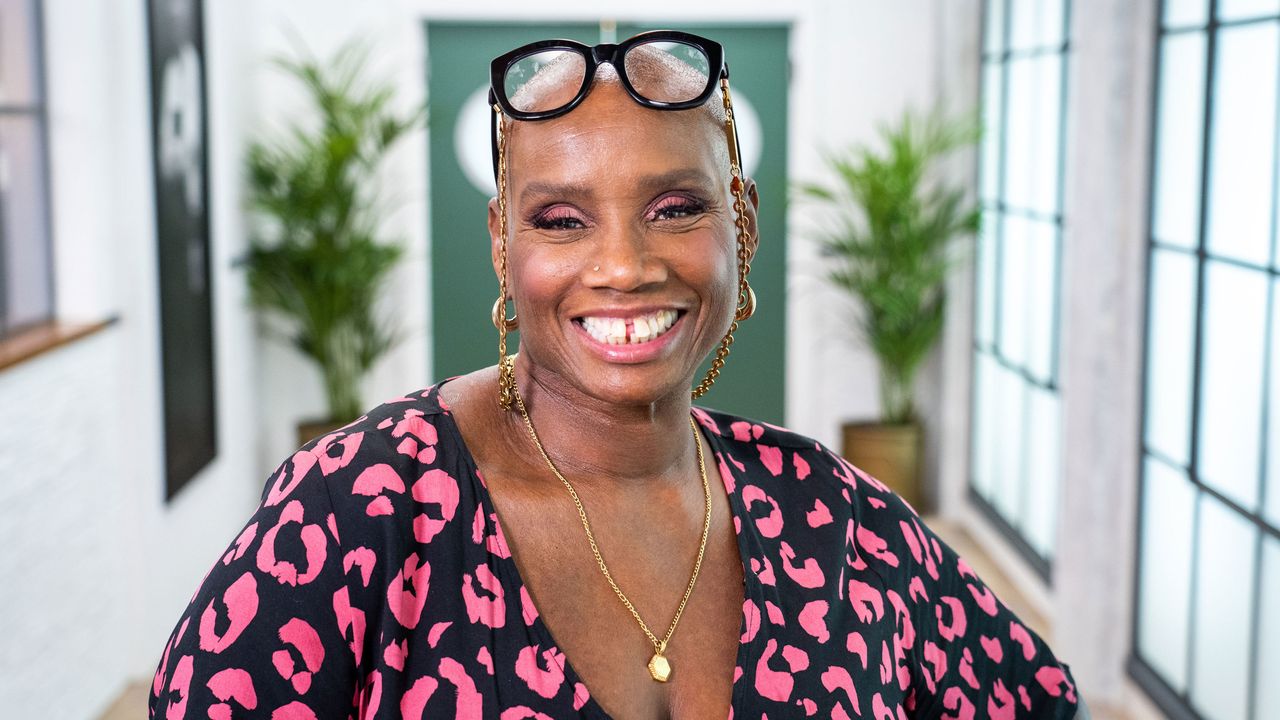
(374, 582)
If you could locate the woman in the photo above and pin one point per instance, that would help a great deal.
(563, 534)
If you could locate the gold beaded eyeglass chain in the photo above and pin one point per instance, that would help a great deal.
(506, 373)
(746, 306)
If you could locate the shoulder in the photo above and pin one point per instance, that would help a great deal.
(742, 430)
(376, 465)
(790, 456)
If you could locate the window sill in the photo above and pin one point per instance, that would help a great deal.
(46, 337)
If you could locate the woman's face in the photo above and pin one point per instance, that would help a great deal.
(622, 253)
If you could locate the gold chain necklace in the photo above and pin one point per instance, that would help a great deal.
(659, 665)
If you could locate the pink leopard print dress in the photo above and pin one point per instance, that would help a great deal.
(374, 582)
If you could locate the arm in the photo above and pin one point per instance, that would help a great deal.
(961, 650)
(269, 626)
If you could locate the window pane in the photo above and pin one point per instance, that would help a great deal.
(984, 326)
(1242, 151)
(1043, 464)
(24, 235)
(1272, 511)
(1047, 110)
(1052, 22)
(987, 426)
(1037, 24)
(18, 78)
(1010, 472)
(1041, 285)
(993, 92)
(1224, 601)
(1268, 690)
(1231, 380)
(1238, 9)
(994, 32)
(1180, 13)
(1170, 352)
(1019, 150)
(1033, 138)
(1013, 289)
(1179, 138)
(1165, 573)
(1024, 24)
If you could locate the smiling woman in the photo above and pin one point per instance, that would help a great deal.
(564, 534)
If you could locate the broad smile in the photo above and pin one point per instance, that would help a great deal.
(628, 330)
(630, 336)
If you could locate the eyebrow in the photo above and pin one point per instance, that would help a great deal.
(674, 178)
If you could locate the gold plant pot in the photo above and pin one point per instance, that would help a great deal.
(889, 453)
(310, 429)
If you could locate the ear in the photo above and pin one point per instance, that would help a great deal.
(495, 237)
(753, 225)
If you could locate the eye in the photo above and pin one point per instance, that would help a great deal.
(676, 207)
(558, 217)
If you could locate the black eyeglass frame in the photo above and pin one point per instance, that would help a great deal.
(594, 56)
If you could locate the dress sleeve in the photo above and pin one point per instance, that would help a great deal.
(267, 633)
(961, 652)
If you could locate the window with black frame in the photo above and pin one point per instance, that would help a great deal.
(1015, 449)
(1206, 622)
(26, 284)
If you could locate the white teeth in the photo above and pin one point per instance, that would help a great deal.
(613, 330)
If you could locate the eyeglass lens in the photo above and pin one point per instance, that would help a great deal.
(667, 71)
(545, 80)
(663, 71)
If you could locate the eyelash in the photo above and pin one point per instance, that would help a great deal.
(685, 206)
(563, 218)
(556, 218)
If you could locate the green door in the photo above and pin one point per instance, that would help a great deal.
(463, 287)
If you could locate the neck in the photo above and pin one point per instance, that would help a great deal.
(594, 442)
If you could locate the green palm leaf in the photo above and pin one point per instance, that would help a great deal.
(887, 234)
(315, 259)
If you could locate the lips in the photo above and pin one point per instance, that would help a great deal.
(634, 329)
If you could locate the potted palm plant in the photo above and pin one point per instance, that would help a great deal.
(315, 263)
(887, 235)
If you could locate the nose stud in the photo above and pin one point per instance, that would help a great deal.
(596, 269)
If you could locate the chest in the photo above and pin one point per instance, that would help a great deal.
(650, 553)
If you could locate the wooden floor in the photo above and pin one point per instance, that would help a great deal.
(131, 705)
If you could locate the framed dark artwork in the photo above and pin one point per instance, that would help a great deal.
(180, 157)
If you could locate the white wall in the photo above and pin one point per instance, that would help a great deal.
(1104, 279)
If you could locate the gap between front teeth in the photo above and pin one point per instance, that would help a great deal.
(630, 331)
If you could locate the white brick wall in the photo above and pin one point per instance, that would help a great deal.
(62, 505)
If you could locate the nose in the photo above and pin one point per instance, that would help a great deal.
(624, 260)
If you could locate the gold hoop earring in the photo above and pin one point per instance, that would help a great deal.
(749, 308)
(499, 316)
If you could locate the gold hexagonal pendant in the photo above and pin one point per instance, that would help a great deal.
(659, 667)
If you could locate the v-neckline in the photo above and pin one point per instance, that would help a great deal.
(514, 585)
